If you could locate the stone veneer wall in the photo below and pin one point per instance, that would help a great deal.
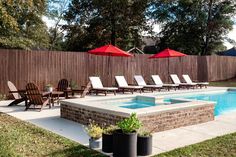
(83, 116)
(156, 122)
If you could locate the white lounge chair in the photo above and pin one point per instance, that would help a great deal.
(98, 87)
(176, 80)
(123, 85)
(200, 84)
(141, 82)
(157, 80)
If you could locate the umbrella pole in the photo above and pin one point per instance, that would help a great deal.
(168, 70)
(109, 68)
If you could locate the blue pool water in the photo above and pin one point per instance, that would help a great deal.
(225, 101)
(136, 104)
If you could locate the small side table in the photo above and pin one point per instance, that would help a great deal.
(55, 95)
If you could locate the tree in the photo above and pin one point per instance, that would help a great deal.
(56, 12)
(92, 23)
(21, 24)
(193, 26)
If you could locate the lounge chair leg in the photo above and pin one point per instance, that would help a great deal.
(114, 92)
(105, 93)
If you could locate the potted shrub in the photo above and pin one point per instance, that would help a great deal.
(95, 133)
(125, 138)
(107, 138)
(73, 85)
(49, 88)
(144, 143)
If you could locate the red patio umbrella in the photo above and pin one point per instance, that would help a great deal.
(167, 53)
(110, 50)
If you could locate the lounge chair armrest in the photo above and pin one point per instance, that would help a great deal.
(132, 84)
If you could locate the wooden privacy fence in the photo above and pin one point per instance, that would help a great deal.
(44, 67)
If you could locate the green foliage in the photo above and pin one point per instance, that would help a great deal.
(3, 97)
(193, 27)
(56, 11)
(144, 132)
(21, 24)
(73, 85)
(109, 129)
(92, 23)
(130, 124)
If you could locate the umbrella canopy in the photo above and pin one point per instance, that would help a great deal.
(110, 50)
(167, 53)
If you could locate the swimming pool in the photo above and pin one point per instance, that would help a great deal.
(225, 101)
(150, 108)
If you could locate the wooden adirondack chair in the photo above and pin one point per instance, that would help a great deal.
(63, 84)
(17, 94)
(35, 97)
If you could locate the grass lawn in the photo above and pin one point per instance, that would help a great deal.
(224, 83)
(223, 146)
(18, 138)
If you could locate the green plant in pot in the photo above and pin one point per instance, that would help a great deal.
(73, 85)
(125, 139)
(95, 133)
(107, 138)
(49, 87)
(144, 142)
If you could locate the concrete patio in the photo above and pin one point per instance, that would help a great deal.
(49, 119)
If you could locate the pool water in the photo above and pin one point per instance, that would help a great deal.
(225, 101)
(135, 104)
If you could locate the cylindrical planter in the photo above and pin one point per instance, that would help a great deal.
(144, 145)
(94, 143)
(124, 145)
(49, 89)
(107, 143)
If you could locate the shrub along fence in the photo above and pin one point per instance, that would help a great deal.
(44, 67)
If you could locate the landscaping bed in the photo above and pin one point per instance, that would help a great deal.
(18, 138)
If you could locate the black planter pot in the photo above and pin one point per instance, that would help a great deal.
(124, 145)
(107, 143)
(144, 146)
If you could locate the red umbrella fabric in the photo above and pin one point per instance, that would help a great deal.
(110, 50)
(168, 53)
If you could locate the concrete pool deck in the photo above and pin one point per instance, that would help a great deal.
(49, 119)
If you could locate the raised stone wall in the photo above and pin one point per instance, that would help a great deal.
(155, 121)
